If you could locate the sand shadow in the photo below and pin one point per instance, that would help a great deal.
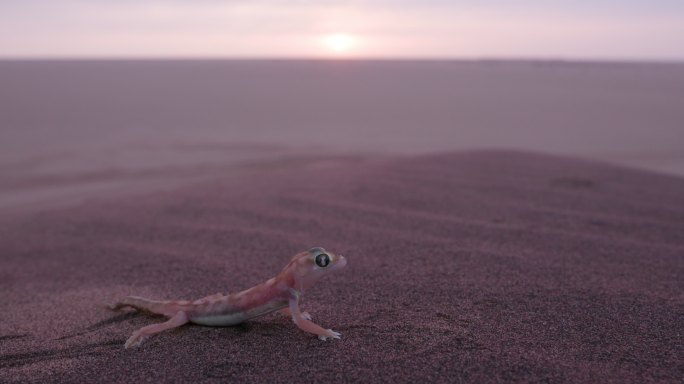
(94, 349)
(12, 337)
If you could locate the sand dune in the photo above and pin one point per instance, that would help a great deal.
(97, 116)
(484, 266)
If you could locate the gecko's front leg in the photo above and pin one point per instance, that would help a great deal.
(288, 313)
(307, 325)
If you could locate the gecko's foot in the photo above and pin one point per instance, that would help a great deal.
(330, 335)
(136, 339)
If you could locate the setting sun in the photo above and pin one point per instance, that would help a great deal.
(339, 43)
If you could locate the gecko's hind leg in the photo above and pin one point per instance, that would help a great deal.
(143, 333)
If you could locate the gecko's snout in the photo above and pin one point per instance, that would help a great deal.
(342, 262)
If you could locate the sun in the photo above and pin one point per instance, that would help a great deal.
(339, 42)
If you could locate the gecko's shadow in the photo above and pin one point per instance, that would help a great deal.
(114, 320)
(101, 324)
(21, 359)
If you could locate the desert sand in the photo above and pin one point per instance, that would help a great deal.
(179, 179)
(476, 266)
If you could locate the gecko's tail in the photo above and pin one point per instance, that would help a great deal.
(157, 307)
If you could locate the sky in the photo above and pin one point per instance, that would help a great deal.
(473, 29)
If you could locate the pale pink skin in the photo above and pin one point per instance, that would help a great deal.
(279, 293)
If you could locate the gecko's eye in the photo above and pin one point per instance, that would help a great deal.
(322, 260)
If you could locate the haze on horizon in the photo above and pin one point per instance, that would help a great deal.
(583, 29)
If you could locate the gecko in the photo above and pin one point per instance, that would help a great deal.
(280, 293)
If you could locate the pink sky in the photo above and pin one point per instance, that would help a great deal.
(607, 29)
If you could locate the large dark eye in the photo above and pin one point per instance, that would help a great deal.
(322, 260)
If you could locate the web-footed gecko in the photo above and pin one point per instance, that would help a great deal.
(279, 293)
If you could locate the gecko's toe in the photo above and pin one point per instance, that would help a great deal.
(135, 340)
(331, 335)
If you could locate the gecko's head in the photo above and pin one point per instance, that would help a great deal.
(309, 266)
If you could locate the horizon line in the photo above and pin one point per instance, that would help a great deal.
(529, 59)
